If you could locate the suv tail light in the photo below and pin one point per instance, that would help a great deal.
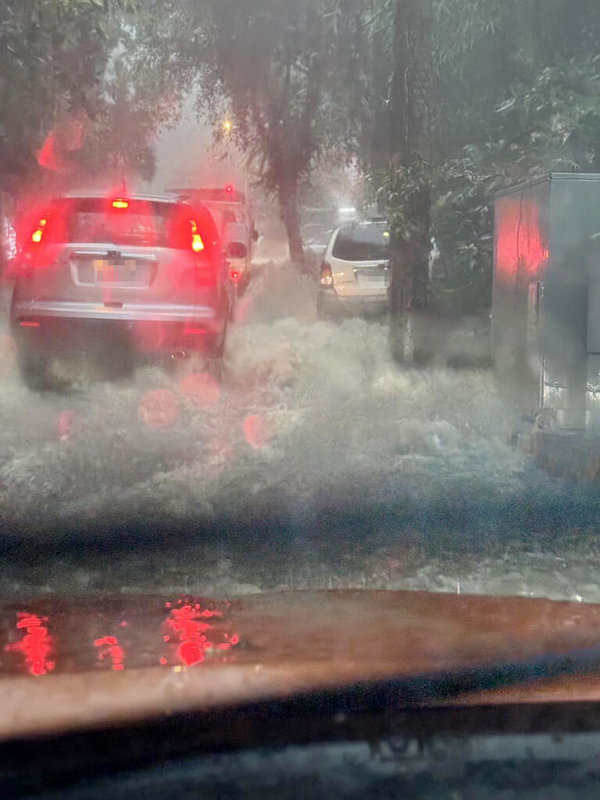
(326, 274)
(206, 274)
(35, 252)
(40, 230)
(197, 243)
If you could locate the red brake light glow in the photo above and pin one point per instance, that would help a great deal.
(120, 203)
(197, 243)
(37, 235)
(326, 274)
(229, 188)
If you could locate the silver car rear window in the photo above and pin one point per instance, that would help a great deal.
(367, 242)
(140, 223)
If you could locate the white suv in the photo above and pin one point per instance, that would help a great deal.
(355, 272)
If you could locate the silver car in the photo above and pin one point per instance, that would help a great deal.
(145, 272)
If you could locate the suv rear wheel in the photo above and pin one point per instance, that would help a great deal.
(33, 362)
(215, 344)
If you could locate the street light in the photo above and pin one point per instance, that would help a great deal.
(227, 126)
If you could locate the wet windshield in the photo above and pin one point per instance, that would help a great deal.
(269, 417)
(123, 222)
(361, 243)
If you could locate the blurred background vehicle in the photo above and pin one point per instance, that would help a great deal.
(355, 270)
(233, 215)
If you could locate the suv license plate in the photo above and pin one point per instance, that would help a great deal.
(104, 270)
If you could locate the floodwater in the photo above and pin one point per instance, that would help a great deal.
(311, 460)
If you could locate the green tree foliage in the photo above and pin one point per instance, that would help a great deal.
(532, 107)
(68, 83)
(52, 54)
(514, 93)
(284, 72)
(132, 106)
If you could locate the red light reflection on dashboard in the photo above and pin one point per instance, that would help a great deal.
(187, 626)
(109, 647)
(36, 645)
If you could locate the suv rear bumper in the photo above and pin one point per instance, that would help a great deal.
(208, 316)
(330, 302)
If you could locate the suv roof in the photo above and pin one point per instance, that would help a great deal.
(144, 220)
(152, 198)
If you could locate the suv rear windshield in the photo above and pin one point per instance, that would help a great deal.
(362, 242)
(141, 223)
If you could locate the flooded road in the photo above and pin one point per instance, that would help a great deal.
(312, 460)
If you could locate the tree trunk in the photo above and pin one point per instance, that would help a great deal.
(411, 151)
(288, 209)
